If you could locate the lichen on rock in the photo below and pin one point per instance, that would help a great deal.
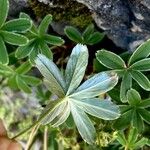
(69, 11)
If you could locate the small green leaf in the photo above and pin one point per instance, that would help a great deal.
(76, 66)
(124, 108)
(83, 123)
(141, 79)
(24, 68)
(30, 80)
(95, 38)
(103, 109)
(140, 143)
(137, 121)
(142, 65)
(88, 31)
(12, 81)
(110, 60)
(34, 53)
(45, 50)
(17, 25)
(133, 97)
(5, 70)
(145, 114)
(132, 136)
(43, 27)
(53, 40)
(22, 85)
(141, 52)
(14, 38)
(123, 121)
(73, 34)
(33, 29)
(96, 85)
(3, 52)
(145, 103)
(52, 74)
(121, 138)
(126, 84)
(24, 51)
(4, 7)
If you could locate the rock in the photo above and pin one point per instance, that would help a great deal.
(126, 22)
(17, 6)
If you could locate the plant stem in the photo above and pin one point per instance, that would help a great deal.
(45, 137)
(32, 135)
(126, 148)
(55, 104)
(26, 130)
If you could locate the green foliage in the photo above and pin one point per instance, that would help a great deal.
(88, 37)
(65, 104)
(133, 141)
(74, 99)
(137, 63)
(9, 31)
(38, 40)
(17, 78)
(134, 113)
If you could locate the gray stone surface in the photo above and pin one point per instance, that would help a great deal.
(16, 6)
(126, 22)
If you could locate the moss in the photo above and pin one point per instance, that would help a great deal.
(65, 10)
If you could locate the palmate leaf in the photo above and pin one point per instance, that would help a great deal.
(17, 25)
(103, 109)
(76, 66)
(4, 6)
(141, 52)
(110, 60)
(96, 85)
(52, 74)
(57, 111)
(83, 123)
